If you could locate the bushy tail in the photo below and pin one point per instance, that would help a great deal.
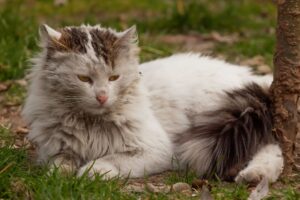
(233, 132)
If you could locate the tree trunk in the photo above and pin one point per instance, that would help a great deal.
(285, 88)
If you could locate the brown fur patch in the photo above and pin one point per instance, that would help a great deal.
(72, 39)
(103, 43)
(238, 128)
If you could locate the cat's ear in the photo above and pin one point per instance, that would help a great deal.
(128, 41)
(47, 33)
(129, 36)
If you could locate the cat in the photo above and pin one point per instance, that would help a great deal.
(93, 109)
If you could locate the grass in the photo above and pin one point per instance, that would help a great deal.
(19, 28)
(15, 94)
(252, 20)
(21, 179)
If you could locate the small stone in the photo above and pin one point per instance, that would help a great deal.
(162, 188)
(135, 188)
(180, 187)
(264, 69)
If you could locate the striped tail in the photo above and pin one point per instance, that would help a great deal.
(225, 139)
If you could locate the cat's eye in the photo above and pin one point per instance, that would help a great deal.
(84, 78)
(113, 78)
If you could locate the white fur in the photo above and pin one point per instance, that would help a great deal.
(133, 135)
(52, 33)
(267, 163)
(184, 85)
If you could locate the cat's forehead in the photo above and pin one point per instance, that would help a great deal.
(90, 40)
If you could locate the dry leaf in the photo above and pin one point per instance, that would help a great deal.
(199, 183)
(21, 82)
(255, 61)
(161, 188)
(205, 194)
(264, 69)
(229, 39)
(3, 87)
(22, 130)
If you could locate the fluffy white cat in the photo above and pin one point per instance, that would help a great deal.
(92, 108)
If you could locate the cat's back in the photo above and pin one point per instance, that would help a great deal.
(189, 69)
(183, 85)
(188, 78)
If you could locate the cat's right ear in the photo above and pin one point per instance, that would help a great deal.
(47, 34)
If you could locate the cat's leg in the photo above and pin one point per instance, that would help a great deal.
(267, 162)
(57, 156)
(150, 152)
(139, 165)
(64, 163)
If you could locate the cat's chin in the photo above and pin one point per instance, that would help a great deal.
(96, 111)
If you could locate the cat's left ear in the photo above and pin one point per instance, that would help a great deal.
(130, 35)
(127, 38)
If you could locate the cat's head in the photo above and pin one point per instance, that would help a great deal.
(88, 67)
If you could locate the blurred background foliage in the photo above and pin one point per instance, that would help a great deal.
(241, 31)
(249, 22)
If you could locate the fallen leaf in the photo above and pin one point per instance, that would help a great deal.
(205, 194)
(3, 87)
(254, 62)
(22, 130)
(21, 82)
(229, 39)
(264, 69)
(199, 183)
(160, 188)
(11, 104)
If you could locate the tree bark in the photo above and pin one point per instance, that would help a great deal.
(285, 88)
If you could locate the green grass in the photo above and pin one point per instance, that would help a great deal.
(15, 95)
(229, 191)
(19, 20)
(252, 20)
(17, 41)
(21, 179)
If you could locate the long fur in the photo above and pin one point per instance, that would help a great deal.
(237, 129)
(185, 106)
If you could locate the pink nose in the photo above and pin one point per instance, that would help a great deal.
(102, 98)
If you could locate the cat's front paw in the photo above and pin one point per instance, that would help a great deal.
(254, 174)
(250, 176)
(103, 168)
(62, 165)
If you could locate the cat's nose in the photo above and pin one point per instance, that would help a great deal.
(102, 98)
